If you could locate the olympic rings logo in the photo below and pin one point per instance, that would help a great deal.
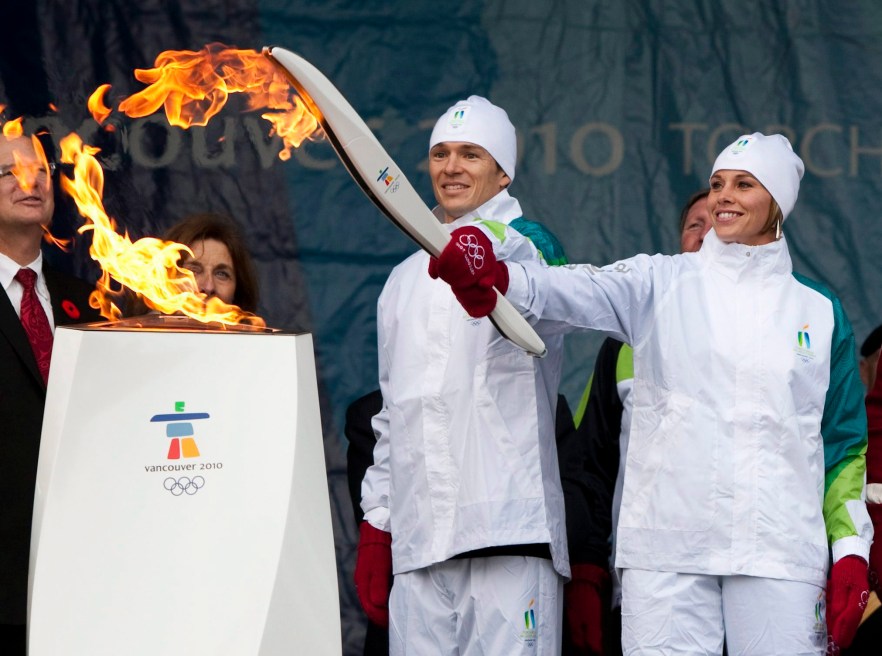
(473, 250)
(183, 484)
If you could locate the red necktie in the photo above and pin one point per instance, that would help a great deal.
(35, 323)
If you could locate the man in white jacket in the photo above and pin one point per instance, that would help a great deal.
(465, 485)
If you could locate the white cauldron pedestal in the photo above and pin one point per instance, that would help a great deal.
(182, 503)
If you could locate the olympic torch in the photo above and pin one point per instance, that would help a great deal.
(382, 181)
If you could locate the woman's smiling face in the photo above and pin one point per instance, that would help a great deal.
(740, 207)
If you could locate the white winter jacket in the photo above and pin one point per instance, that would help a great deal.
(748, 430)
(465, 457)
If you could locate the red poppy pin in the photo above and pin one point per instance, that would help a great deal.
(70, 309)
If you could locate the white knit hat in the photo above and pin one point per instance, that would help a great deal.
(478, 121)
(771, 160)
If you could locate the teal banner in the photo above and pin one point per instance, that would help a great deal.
(620, 107)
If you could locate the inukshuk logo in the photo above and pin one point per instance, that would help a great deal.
(385, 177)
(179, 430)
(389, 180)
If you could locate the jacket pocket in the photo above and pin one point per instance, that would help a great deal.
(502, 449)
(671, 471)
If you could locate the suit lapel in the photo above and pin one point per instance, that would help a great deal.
(69, 298)
(14, 332)
(56, 286)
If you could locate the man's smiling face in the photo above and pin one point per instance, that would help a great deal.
(464, 177)
(25, 186)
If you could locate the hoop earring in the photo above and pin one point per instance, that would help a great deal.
(778, 229)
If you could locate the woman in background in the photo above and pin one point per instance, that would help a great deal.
(221, 262)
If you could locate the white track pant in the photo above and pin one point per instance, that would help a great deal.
(486, 606)
(670, 613)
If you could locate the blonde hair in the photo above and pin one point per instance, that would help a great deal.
(775, 214)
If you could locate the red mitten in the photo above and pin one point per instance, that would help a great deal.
(469, 266)
(373, 573)
(875, 510)
(586, 598)
(847, 596)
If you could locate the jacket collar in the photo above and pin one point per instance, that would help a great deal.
(739, 261)
(502, 208)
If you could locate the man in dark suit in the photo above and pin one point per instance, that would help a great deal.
(26, 208)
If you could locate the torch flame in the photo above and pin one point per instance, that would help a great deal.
(96, 105)
(27, 171)
(148, 266)
(13, 128)
(292, 126)
(49, 238)
(193, 86)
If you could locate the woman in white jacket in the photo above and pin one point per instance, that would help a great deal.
(745, 474)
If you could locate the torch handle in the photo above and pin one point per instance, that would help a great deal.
(382, 181)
